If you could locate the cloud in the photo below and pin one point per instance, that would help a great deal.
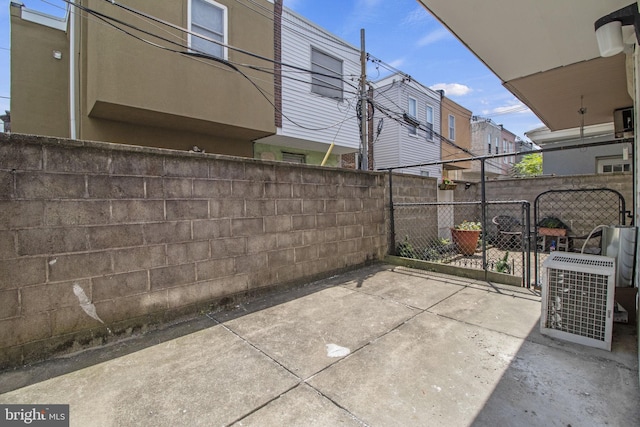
(397, 63)
(511, 108)
(416, 16)
(433, 37)
(452, 89)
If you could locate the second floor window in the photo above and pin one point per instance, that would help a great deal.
(429, 122)
(452, 127)
(323, 69)
(412, 110)
(209, 19)
(489, 144)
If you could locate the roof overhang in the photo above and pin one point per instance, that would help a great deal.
(546, 53)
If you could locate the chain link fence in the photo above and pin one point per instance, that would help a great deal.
(571, 220)
(496, 242)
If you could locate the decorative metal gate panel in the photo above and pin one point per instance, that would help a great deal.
(572, 220)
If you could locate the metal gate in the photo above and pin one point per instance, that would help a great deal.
(572, 220)
(426, 231)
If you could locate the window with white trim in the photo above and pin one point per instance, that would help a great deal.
(412, 110)
(505, 147)
(429, 122)
(489, 144)
(326, 74)
(452, 127)
(208, 19)
(613, 165)
(497, 145)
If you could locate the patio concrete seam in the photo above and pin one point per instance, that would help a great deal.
(483, 327)
(257, 408)
(372, 341)
(351, 414)
(249, 343)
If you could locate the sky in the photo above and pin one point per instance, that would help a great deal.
(401, 33)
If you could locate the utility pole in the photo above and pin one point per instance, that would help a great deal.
(364, 106)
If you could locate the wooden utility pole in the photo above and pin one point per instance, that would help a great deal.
(364, 106)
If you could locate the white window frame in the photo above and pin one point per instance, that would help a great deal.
(613, 162)
(452, 127)
(412, 102)
(505, 147)
(429, 121)
(489, 149)
(225, 25)
(322, 85)
(497, 145)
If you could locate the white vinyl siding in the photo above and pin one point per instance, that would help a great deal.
(395, 147)
(323, 68)
(209, 19)
(429, 123)
(305, 109)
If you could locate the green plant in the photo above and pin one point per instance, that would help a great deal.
(405, 249)
(468, 225)
(530, 165)
(552, 222)
(503, 266)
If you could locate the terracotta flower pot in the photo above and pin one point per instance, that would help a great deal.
(465, 240)
(545, 231)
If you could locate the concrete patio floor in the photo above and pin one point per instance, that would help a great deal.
(423, 350)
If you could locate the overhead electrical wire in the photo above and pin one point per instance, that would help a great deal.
(208, 39)
(398, 118)
(205, 58)
(194, 54)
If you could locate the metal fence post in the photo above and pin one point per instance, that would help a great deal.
(392, 249)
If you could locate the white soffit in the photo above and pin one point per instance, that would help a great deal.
(519, 38)
(545, 52)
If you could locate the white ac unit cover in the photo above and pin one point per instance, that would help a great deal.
(578, 297)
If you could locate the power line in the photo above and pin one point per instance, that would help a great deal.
(195, 54)
(208, 39)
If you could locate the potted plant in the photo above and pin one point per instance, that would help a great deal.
(447, 184)
(465, 236)
(552, 226)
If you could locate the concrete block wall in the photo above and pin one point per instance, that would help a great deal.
(413, 224)
(99, 240)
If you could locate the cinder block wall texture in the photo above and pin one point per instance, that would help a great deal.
(98, 240)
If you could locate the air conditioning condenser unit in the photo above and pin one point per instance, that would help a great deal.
(578, 297)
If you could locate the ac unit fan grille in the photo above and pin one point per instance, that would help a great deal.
(572, 261)
(577, 303)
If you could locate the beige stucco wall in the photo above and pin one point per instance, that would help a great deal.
(39, 82)
(127, 91)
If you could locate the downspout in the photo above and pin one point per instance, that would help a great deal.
(72, 73)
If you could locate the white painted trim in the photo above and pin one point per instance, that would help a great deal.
(225, 24)
(72, 75)
(40, 18)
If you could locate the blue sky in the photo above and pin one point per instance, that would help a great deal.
(400, 33)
